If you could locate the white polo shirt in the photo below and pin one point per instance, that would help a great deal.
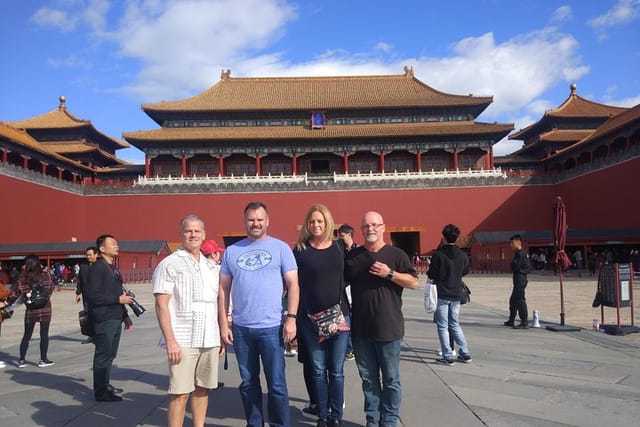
(193, 307)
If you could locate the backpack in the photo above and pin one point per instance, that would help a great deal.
(37, 297)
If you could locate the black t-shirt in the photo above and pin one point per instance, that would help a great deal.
(376, 310)
(321, 278)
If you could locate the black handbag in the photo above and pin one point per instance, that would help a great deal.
(466, 294)
(86, 325)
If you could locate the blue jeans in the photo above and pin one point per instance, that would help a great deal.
(447, 314)
(251, 345)
(381, 399)
(327, 359)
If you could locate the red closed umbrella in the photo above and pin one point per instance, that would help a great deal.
(561, 258)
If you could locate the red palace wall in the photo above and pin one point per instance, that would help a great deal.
(602, 200)
(157, 216)
(35, 213)
(607, 199)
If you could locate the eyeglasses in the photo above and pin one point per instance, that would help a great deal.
(374, 226)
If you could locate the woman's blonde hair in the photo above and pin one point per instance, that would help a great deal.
(304, 236)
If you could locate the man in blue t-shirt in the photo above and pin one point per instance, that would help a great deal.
(252, 273)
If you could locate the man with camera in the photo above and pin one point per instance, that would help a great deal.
(185, 286)
(106, 300)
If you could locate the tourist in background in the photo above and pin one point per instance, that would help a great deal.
(448, 265)
(30, 276)
(83, 280)
(345, 235)
(520, 267)
(107, 310)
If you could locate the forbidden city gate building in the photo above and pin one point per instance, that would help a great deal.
(317, 126)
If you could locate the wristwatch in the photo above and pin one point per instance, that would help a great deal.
(390, 275)
(292, 316)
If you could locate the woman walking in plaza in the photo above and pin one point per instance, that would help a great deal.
(31, 276)
(321, 270)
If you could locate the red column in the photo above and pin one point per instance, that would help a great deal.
(184, 165)
(345, 162)
(487, 159)
(419, 161)
(5, 153)
(258, 166)
(147, 166)
(25, 162)
(44, 168)
(59, 173)
(491, 166)
(294, 164)
(381, 161)
(455, 159)
(75, 177)
(221, 165)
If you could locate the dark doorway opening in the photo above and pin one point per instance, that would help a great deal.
(408, 241)
(230, 240)
(320, 166)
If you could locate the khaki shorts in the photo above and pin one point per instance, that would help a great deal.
(199, 366)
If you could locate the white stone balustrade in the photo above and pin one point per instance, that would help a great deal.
(445, 174)
(232, 179)
(337, 177)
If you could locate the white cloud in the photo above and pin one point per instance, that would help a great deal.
(623, 12)
(71, 61)
(384, 47)
(55, 18)
(516, 72)
(183, 45)
(561, 14)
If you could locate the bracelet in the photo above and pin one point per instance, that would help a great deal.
(292, 316)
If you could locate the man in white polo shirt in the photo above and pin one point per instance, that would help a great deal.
(185, 285)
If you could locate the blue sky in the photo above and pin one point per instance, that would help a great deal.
(109, 57)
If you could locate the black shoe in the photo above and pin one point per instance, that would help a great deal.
(523, 325)
(446, 362)
(310, 411)
(108, 397)
(334, 423)
(508, 323)
(464, 358)
(322, 423)
(113, 389)
(87, 341)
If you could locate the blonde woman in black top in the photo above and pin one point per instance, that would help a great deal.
(320, 270)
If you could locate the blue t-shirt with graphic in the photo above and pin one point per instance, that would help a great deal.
(256, 270)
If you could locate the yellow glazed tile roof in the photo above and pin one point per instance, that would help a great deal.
(311, 93)
(329, 132)
(23, 138)
(61, 118)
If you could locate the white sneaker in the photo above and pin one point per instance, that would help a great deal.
(2, 364)
(454, 352)
(290, 353)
